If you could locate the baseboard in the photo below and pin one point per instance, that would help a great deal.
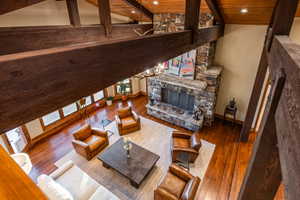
(239, 122)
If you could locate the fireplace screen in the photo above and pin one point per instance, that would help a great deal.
(178, 99)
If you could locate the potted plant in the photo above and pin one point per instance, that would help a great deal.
(123, 87)
(109, 100)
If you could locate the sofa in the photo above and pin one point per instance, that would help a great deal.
(127, 121)
(89, 141)
(76, 182)
(185, 143)
(178, 184)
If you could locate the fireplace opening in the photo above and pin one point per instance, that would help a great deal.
(178, 99)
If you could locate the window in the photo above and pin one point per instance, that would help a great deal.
(50, 118)
(69, 109)
(126, 84)
(88, 100)
(99, 95)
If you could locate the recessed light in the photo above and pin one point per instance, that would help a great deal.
(155, 2)
(133, 11)
(244, 10)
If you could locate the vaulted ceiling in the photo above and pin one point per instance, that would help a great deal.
(259, 11)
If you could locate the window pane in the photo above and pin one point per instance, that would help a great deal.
(50, 118)
(67, 110)
(88, 100)
(99, 95)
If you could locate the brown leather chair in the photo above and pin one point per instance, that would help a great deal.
(178, 184)
(127, 120)
(185, 143)
(88, 141)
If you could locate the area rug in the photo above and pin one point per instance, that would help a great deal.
(152, 136)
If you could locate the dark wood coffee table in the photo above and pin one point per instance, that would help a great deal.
(136, 168)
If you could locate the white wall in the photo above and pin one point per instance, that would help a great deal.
(52, 12)
(239, 52)
(143, 85)
(135, 84)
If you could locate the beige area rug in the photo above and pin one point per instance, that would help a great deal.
(154, 137)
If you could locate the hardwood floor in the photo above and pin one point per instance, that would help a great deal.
(223, 177)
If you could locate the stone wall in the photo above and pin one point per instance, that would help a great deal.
(171, 22)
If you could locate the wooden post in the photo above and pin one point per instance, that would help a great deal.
(280, 24)
(104, 14)
(263, 176)
(73, 12)
(192, 12)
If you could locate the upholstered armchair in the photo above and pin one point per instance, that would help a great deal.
(127, 121)
(88, 141)
(178, 184)
(185, 143)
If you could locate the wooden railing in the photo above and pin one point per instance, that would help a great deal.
(276, 153)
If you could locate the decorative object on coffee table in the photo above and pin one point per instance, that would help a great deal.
(231, 109)
(109, 100)
(185, 143)
(136, 168)
(127, 146)
(178, 184)
(127, 121)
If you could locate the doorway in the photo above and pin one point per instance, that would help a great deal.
(16, 139)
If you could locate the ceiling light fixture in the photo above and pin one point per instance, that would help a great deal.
(155, 2)
(133, 11)
(244, 10)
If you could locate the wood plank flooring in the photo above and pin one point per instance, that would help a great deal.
(223, 177)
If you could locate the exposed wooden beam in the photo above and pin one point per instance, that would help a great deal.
(73, 12)
(15, 184)
(20, 39)
(11, 5)
(281, 23)
(140, 7)
(45, 80)
(213, 6)
(192, 12)
(286, 54)
(105, 16)
(264, 167)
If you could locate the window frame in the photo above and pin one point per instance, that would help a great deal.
(130, 86)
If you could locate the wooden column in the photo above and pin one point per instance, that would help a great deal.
(263, 176)
(73, 12)
(192, 12)
(104, 14)
(281, 23)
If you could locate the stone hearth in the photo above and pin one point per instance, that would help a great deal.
(204, 92)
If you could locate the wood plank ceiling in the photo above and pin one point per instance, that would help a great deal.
(259, 11)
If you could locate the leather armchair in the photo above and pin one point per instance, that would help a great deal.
(127, 121)
(88, 141)
(178, 184)
(185, 143)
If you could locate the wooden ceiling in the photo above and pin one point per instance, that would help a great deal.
(259, 11)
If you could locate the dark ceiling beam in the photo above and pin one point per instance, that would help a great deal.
(192, 13)
(105, 16)
(281, 23)
(38, 82)
(21, 39)
(73, 12)
(138, 6)
(11, 5)
(214, 7)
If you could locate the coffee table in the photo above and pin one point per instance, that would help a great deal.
(136, 168)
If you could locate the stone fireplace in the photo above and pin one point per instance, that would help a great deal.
(185, 102)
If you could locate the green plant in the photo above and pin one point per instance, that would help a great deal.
(110, 98)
